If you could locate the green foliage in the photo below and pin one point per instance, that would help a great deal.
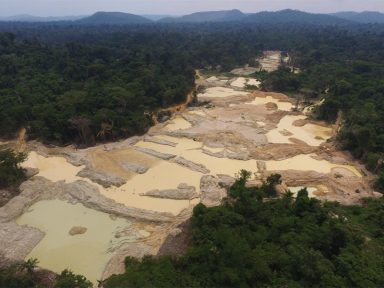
(69, 280)
(287, 242)
(380, 181)
(11, 174)
(24, 275)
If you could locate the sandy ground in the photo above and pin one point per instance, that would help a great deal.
(241, 82)
(220, 92)
(270, 61)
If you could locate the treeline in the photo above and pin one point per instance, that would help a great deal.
(79, 92)
(100, 84)
(253, 241)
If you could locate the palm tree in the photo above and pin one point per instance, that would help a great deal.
(29, 266)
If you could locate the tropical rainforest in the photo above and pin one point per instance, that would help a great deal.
(77, 84)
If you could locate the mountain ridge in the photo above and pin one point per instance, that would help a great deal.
(114, 18)
(234, 15)
(361, 17)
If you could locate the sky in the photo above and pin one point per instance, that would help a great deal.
(178, 7)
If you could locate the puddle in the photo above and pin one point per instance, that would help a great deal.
(191, 150)
(162, 176)
(85, 254)
(311, 134)
(53, 168)
(307, 163)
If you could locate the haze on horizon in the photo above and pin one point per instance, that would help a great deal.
(178, 7)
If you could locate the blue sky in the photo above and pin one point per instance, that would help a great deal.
(177, 7)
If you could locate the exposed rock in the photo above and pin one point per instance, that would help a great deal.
(183, 192)
(191, 165)
(116, 263)
(261, 166)
(155, 153)
(377, 194)
(134, 167)
(77, 230)
(226, 181)
(211, 191)
(281, 151)
(16, 242)
(239, 155)
(30, 172)
(177, 241)
(271, 106)
(175, 232)
(159, 141)
(39, 188)
(281, 189)
(254, 183)
(89, 195)
(5, 195)
(75, 159)
(102, 178)
(14, 208)
(131, 141)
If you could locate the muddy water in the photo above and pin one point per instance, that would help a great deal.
(84, 254)
(162, 176)
(307, 163)
(53, 168)
(311, 134)
(284, 106)
(191, 150)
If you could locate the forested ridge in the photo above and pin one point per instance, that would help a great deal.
(103, 87)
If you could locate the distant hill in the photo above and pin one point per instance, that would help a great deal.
(114, 18)
(362, 17)
(155, 17)
(278, 17)
(209, 16)
(295, 16)
(31, 18)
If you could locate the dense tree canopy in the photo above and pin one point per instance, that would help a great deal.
(252, 241)
(70, 83)
(11, 174)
